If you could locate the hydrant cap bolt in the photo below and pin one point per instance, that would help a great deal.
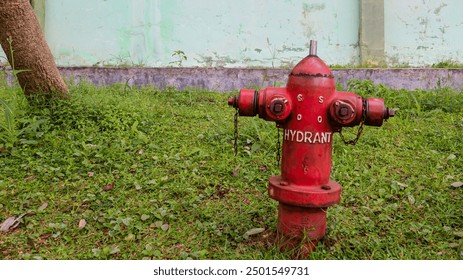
(232, 102)
(389, 113)
(343, 111)
(277, 106)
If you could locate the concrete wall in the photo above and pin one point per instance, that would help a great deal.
(239, 33)
(258, 33)
(423, 32)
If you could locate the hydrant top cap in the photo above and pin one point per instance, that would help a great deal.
(313, 66)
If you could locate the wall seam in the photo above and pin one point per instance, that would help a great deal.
(371, 33)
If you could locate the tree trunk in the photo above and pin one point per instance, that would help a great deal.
(28, 52)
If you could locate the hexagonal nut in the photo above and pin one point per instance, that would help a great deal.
(277, 106)
(343, 111)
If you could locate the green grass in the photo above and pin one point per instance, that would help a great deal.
(451, 64)
(152, 174)
(448, 64)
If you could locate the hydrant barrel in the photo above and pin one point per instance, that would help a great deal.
(308, 135)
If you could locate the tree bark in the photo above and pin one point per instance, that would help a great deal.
(27, 51)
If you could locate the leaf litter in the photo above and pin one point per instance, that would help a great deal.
(13, 222)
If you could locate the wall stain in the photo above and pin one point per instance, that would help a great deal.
(307, 10)
(216, 60)
(438, 9)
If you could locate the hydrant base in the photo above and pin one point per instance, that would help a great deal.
(304, 196)
(302, 213)
(300, 226)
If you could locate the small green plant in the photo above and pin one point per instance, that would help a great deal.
(14, 71)
(10, 134)
(121, 61)
(447, 64)
(7, 129)
(274, 52)
(179, 57)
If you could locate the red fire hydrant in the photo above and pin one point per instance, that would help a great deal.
(309, 110)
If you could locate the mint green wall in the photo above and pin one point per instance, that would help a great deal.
(423, 32)
(238, 33)
(257, 33)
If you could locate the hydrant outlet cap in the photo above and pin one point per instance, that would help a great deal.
(232, 102)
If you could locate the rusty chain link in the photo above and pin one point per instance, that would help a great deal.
(278, 146)
(353, 141)
(359, 132)
(235, 143)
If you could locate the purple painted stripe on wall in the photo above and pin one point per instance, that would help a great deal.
(230, 79)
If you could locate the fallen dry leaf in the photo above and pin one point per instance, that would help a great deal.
(457, 184)
(451, 157)
(30, 178)
(236, 171)
(114, 250)
(253, 231)
(401, 184)
(108, 187)
(82, 223)
(41, 208)
(263, 168)
(13, 222)
(9, 224)
(90, 174)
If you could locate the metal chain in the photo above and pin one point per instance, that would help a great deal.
(235, 144)
(354, 141)
(359, 132)
(278, 146)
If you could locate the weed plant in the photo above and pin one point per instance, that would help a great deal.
(128, 173)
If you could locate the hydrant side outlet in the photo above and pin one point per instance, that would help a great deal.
(310, 110)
